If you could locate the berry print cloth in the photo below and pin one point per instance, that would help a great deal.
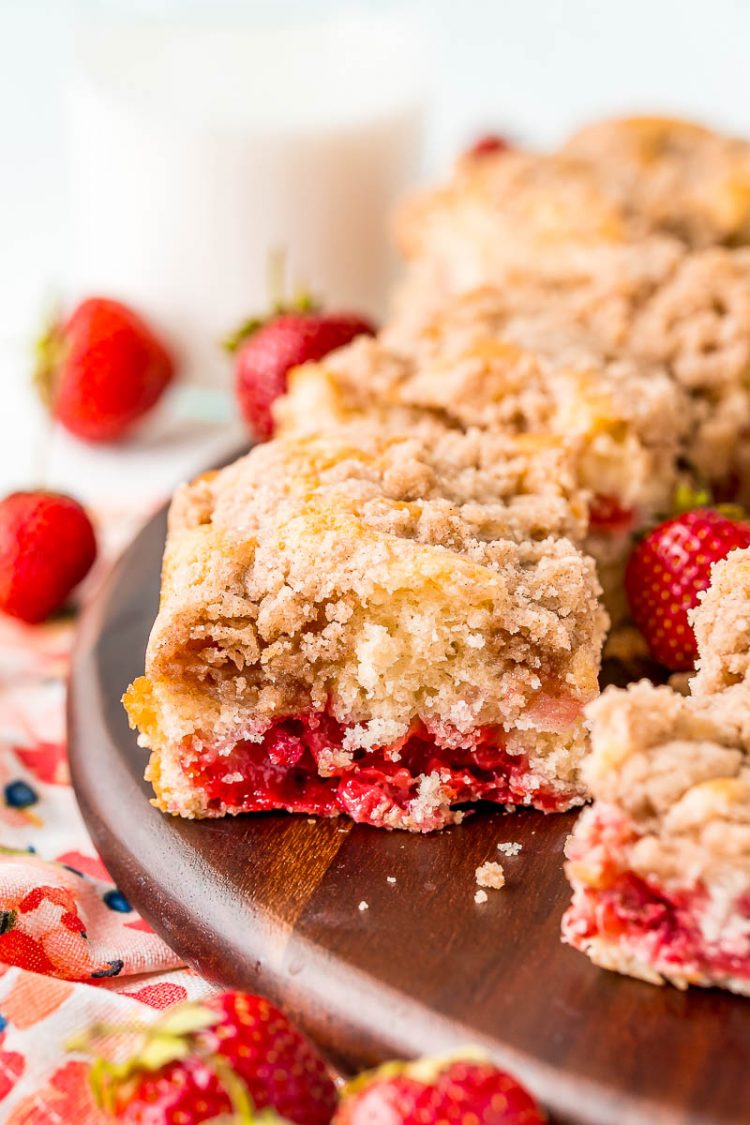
(72, 948)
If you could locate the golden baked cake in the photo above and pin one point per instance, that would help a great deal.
(678, 176)
(384, 626)
(692, 321)
(660, 864)
(480, 364)
(688, 317)
(635, 232)
(697, 324)
(498, 210)
(577, 212)
(510, 216)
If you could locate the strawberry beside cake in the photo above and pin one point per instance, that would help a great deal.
(376, 625)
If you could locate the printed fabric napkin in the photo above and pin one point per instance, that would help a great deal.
(72, 948)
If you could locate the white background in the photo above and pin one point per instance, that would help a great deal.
(534, 68)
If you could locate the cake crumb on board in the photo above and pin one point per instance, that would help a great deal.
(363, 906)
(480, 897)
(490, 874)
(510, 848)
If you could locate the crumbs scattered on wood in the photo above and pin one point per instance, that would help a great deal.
(490, 874)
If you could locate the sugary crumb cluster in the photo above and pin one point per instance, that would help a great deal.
(660, 864)
(491, 874)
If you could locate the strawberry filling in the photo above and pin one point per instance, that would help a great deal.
(608, 517)
(301, 766)
(659, 926)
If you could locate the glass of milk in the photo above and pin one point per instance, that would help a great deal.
(206, 138)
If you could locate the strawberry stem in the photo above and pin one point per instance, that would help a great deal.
(242, 1104)
(302, 302)
(232, 342)
(422, 1070)
(49, 351)
(49, 354)
(170, 1038)
(276, 277)
(689, 495)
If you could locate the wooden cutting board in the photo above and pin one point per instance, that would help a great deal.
(272, 903)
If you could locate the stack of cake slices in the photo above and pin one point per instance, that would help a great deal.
(396, 607)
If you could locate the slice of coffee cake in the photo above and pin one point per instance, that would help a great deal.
(660, 864)
(383, 626)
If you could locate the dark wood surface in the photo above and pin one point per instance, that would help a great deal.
(270, 903)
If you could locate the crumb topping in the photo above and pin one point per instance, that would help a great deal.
(678, 770)
(384, 577)
(680, 176)
(538, 376)
(722, 626)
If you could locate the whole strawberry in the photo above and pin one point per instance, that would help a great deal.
(102, 369)
(488, 145)
(267, 351)
(233, 1054)
(435, 1090)
(47, 545)
(668, 570)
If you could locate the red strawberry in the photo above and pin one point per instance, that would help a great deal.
(47, 545)
(233, 1054)
(266, 352)
(667, 571)
(488, 144)
(433, 1090)
(102, 369)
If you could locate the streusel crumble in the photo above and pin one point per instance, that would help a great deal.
(539, 376)
(679, 176)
